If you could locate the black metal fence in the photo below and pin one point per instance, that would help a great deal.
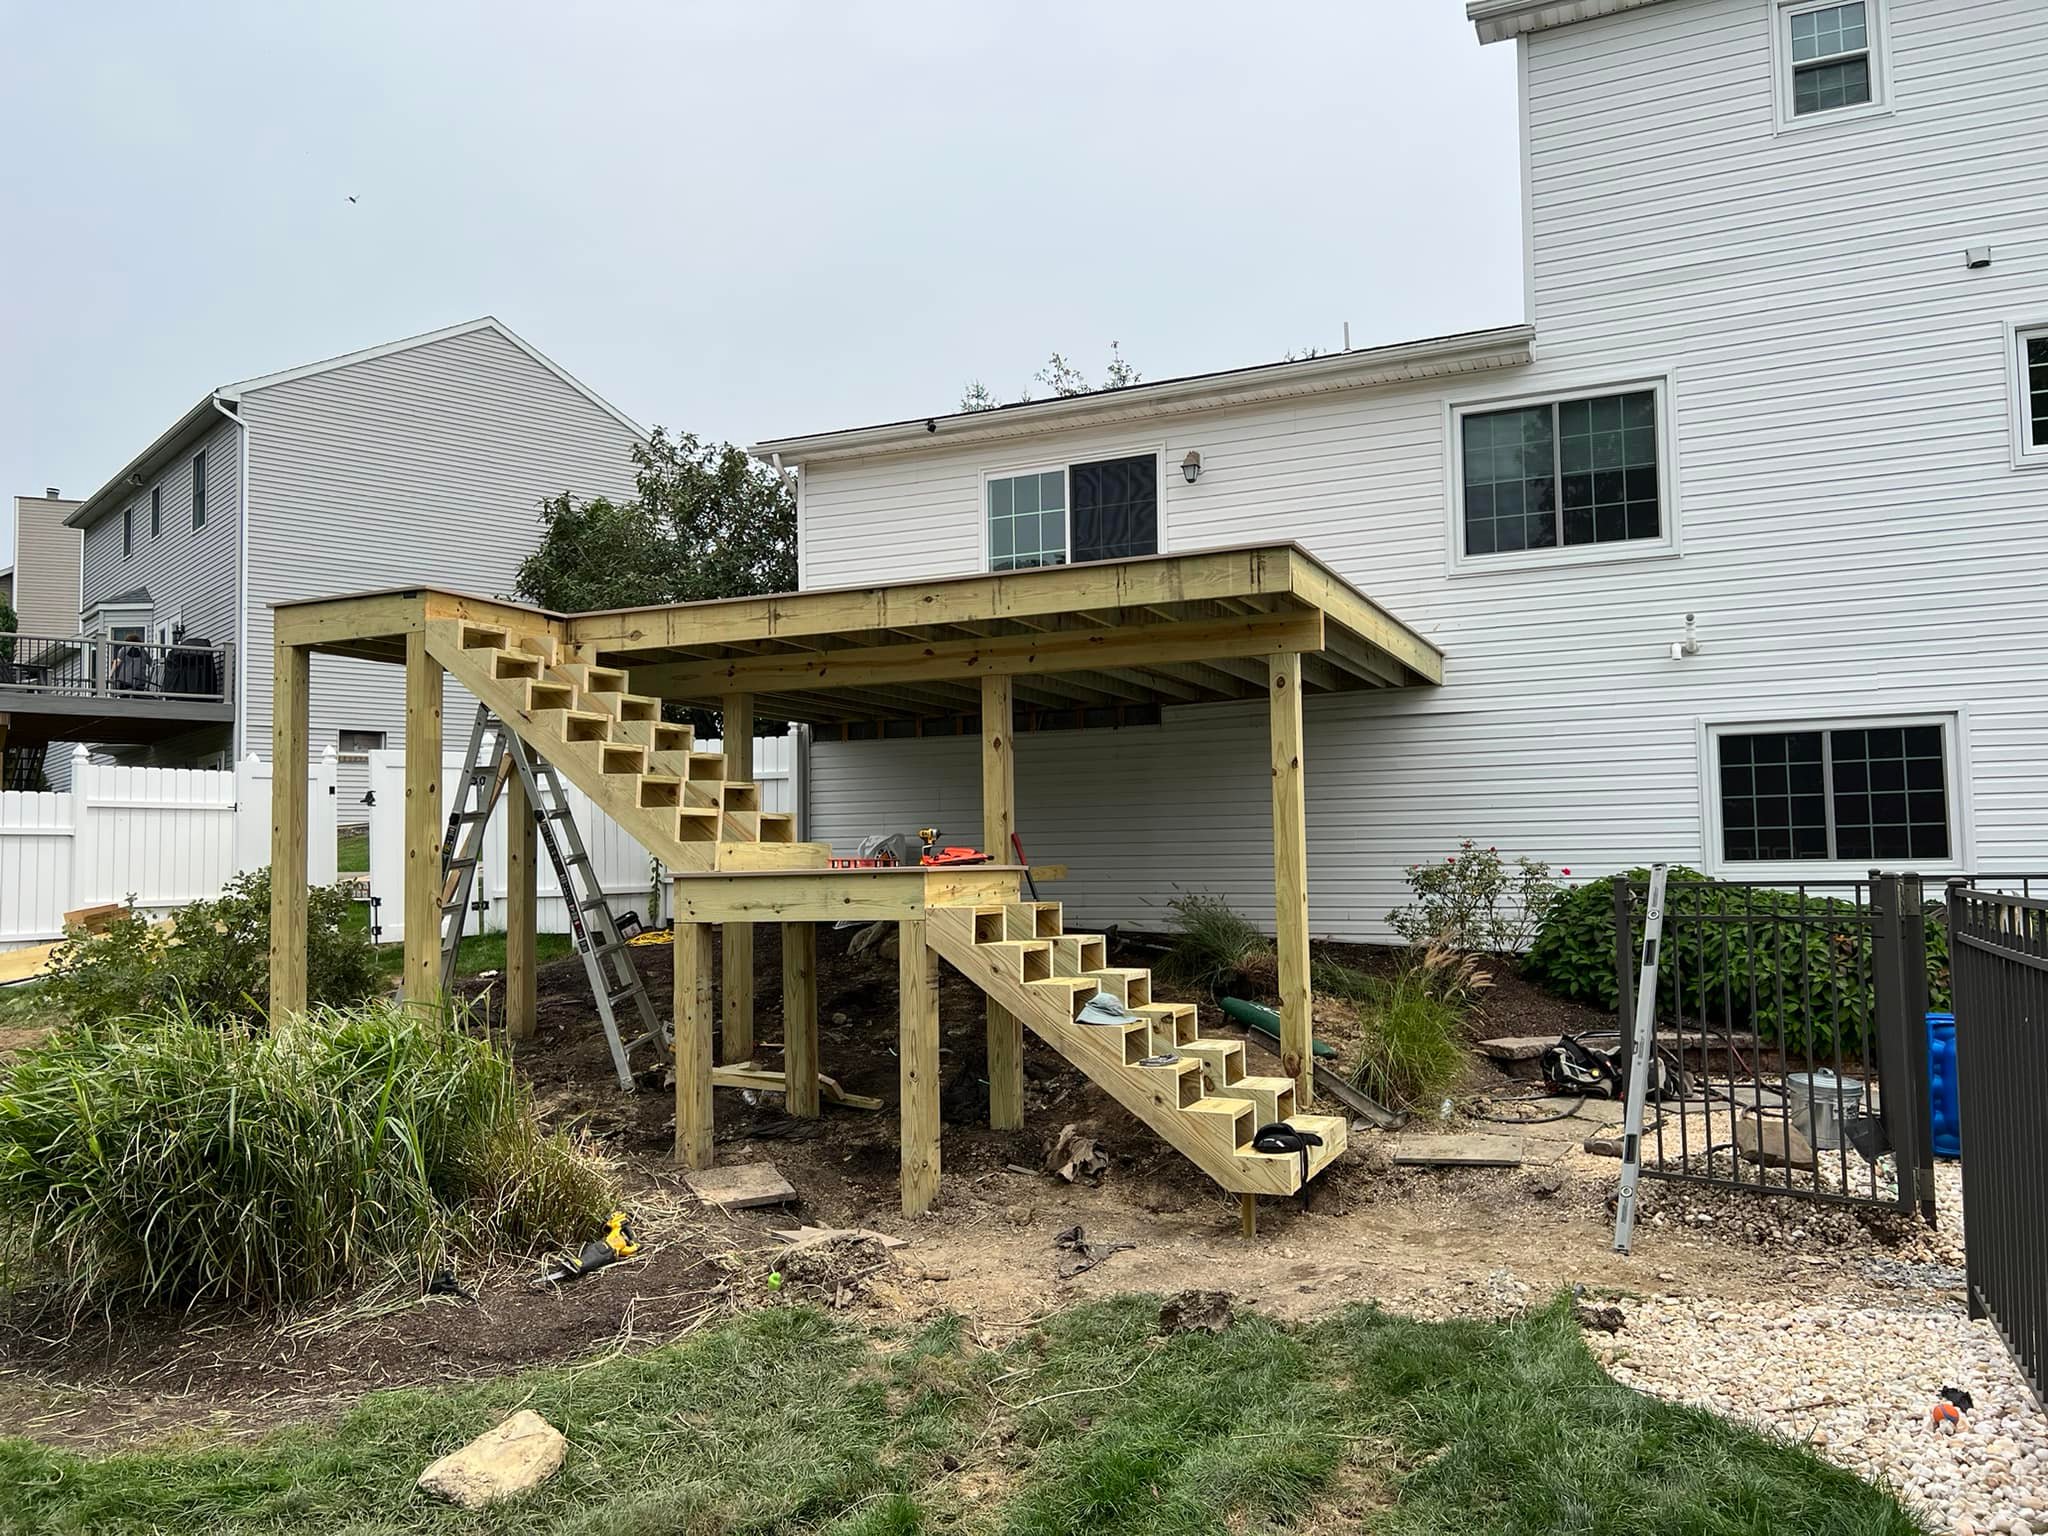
(1790, 1025)
(85, 667)
(1998, 953)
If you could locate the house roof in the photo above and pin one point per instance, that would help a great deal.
(227, 397)
(1436, 356)
(1498, 20)
(138, 598)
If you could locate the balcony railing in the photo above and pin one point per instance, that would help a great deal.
(84, 667)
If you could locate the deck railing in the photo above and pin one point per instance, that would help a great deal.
(87, 667)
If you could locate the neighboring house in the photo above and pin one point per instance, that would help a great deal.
(44, 591)
(1785, 370)
(423, 460)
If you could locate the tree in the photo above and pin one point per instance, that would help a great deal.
(9, 623)
(707, 522)
(1061, 377)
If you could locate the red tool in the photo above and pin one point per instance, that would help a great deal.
(1030, 884)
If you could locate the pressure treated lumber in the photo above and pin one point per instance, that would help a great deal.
(423, 880)
(1290, 869)
(800, 1018)
(692, 1030)
(522, 903)
(290, 688)
(736, 974)
(917, 973)
(998, 822)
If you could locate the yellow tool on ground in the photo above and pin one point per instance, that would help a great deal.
(620, 1241)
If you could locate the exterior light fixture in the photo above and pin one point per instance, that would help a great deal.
(1191, 466)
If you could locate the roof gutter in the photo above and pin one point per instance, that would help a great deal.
(1497, 21)
(139, 468)
(1406, 362)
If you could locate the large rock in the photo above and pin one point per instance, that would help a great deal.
(1771, 1143)
(521, 1453)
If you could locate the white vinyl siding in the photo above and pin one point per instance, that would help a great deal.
(1855, 543)
(422, 466)
(189, 572)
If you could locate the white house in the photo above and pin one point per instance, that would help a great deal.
(420, 460)
(1784, 369)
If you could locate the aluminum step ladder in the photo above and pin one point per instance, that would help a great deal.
(495, 754)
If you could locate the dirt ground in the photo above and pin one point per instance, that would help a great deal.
(1428, 1241)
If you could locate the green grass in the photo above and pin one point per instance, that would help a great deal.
(352, 852)
(480, 951)
(791, 1421)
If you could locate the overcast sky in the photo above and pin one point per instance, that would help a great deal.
(745, 220)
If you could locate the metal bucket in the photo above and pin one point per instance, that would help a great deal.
(1819, 1103)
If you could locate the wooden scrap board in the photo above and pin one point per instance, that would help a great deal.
(740, 1186)
(1478, 1149)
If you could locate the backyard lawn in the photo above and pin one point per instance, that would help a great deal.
(352, 851)
(480, 951)
(790, 1419)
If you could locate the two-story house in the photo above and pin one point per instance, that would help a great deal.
(423, 460)
(1731, 545)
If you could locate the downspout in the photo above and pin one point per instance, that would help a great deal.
(241, 581)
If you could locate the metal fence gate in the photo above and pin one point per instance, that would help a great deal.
(1790, 1026)
(1998, 949)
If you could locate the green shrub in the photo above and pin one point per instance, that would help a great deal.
(1810, 978)
(1472, 900)
(1410, 1051)
(214, 960)
(1212, 945)
(178, 1160)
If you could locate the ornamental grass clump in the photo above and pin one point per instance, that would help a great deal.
(176, 1161)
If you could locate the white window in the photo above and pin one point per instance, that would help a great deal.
(2027, 360)
(1860, 794)
(1100, 509)
(1571, 477)
(1830, 60)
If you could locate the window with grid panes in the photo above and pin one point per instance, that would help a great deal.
(1570, 472)
(1830, 53)
(1027, 520)
(2034, 391)
(1864, 794)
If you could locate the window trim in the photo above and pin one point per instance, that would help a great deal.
(199, 507)
(1065, 465)
(2017, 332)
(1785, 120)
(1668, 544)
(1954, 727)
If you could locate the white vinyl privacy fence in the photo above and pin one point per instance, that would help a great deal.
(164, 836)
(624, 868)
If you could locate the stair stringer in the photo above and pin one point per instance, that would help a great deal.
(655, 828)
(1203, 1132)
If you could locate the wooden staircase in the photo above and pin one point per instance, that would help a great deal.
(645, 774)
(1201, 1102)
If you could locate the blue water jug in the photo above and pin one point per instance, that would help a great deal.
(1941, 1076)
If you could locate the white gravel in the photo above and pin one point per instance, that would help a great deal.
(1855, 1375)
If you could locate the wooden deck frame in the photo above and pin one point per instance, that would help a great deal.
(1162, 630)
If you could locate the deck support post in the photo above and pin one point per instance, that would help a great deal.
(917, 974)
(800, 1019)
(1248, 1215)
(998, 821)
(692, 1028)
(290, 688)
(737, 969)
(423, 877)
(521, 900)
(1290, 869)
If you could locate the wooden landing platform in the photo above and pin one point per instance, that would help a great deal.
(841, 895)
